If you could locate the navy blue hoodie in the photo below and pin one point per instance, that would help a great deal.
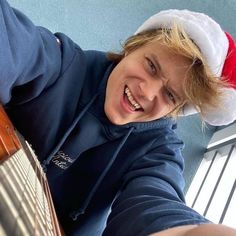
(105, 179)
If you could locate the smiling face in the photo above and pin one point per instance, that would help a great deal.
(146, 85)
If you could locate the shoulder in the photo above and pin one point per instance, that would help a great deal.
(158, 133)
(97, 61)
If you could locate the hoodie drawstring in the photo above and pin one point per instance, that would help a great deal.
(56, 149)
(74, 215)
(75, 122)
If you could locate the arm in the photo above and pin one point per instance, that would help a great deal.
(151, 199)
(29, 55)
(195, 230)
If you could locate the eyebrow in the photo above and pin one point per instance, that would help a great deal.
(156, 61)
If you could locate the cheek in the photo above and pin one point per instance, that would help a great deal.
(114, 92)
(131, 67)
(160, 110)
(117, 77)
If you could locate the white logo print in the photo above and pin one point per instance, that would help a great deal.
(62, 160)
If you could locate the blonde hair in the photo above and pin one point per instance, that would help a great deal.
(202, 89)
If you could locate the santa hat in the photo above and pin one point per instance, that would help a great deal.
(218, 49)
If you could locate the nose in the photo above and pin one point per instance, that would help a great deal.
(151, 89)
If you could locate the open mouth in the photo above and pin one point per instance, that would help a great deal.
(134, 105)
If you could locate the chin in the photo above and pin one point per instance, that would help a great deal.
(116, 120)
(113, 117)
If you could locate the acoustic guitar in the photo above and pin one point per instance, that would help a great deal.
(26, 206)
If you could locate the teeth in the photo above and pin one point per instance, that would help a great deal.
(131, 99)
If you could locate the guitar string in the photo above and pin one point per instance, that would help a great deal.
(44, 206)
(35, 205)
(12, 170)
(30, 192)
(42, 179)
(9, 209)
(39, 184)
(39, 228)
(48, 217)
(39, 209)
(40, 174)
(27, 190)
(55, 224)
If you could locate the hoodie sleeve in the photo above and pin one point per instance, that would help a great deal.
(29, 56)
(152, 199)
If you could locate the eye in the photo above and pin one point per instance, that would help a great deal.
(170, 96)
(151, 66)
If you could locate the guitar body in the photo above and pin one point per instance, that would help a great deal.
(26, 206)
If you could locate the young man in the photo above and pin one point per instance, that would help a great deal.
(102, 126)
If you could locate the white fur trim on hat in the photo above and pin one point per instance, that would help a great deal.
(203, 30)
(225, 114)
(213, 44)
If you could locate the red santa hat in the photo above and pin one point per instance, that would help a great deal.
(217, 47)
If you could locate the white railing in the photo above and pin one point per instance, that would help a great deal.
(212, 192)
